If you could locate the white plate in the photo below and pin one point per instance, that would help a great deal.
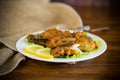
(21, 44)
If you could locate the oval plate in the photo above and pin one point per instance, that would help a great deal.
(103, 46)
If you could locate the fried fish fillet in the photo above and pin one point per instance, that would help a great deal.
(60, 41)
(86, 42)
(61, 51)
(52, 38)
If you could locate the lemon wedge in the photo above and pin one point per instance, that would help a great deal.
(31, 49)
(44, 53)
(38, 51)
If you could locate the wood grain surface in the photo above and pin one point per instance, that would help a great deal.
(104, 67)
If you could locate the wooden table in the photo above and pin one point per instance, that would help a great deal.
(104, 67)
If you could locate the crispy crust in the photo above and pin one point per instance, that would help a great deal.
(61, 41)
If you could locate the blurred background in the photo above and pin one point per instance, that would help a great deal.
(91, 3)
(96, 12)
